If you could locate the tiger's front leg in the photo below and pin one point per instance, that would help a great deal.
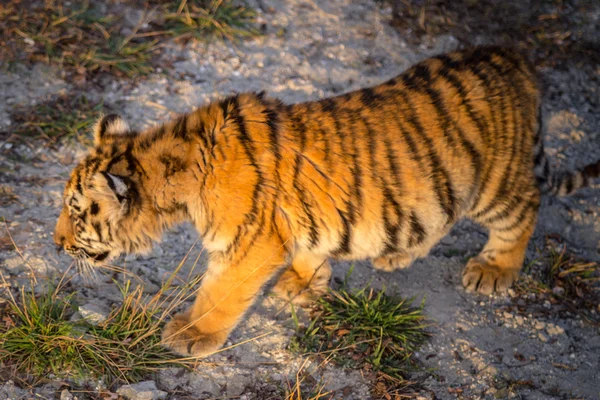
(227, 291)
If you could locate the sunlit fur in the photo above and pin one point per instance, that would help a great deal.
(380, 173)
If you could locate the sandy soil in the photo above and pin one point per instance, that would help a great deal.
(511, 346)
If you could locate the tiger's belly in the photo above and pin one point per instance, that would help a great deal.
(368, 240)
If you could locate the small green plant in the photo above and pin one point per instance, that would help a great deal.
(365, 329)
(39, 338)
(87, 39)
(202, 20)
(66, 117)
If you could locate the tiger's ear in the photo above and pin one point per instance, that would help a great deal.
(109, 125)
(114, 190)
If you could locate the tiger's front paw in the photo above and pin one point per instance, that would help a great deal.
(482, 277)
(187, 340)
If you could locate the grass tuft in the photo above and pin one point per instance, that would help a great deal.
(38, 338)
(87, 38)
(67, 117)
(202, 20)
(365, 329)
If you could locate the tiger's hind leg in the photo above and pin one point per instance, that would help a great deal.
(499, 263)
(306, 280)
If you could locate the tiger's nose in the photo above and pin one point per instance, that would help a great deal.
(59, 240)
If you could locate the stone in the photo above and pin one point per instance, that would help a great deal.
(539, 325)
(66, 395)
(557, 290)
(93, 313)
(146, 390)
(542, 337)
(201, 384)
(554, 330)
(236, 385)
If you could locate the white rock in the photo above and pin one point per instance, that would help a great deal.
(554, 330)
(94, 314)
(66, 395)
(146, 390)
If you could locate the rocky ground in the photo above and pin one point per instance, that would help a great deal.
(528, 344)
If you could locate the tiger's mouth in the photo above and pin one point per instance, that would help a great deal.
(81, 252)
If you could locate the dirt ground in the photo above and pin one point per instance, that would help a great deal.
(529, 344)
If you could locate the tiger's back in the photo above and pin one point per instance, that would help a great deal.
(388, 170)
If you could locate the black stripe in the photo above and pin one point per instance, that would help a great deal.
(355, 168)
(94, 208)
(507, 179)
(520, 218)
(392, 230)
(180, 128)
(313, 231)
(146, 141)
(330, 107)
(417, 231)
(299, 128)
(78, 186)
(246, 142)
(98, 229)
(448, 124)
(109, 119)
(498, 121)
(346, 235)
(442, 185)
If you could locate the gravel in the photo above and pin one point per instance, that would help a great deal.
(481, 347)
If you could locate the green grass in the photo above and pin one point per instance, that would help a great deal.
(66, 117)
(86, 39)
(39, 339)
(202, 20)
(365, 329)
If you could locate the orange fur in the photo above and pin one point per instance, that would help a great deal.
(378, 173)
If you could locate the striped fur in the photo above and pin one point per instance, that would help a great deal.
(380, 173)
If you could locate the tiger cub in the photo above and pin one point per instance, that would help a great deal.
(380, 173)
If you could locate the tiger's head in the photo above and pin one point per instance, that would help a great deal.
(105, 209)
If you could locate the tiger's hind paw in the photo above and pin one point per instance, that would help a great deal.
(292, 287)
(482, 277)
(392, 262)
(187, 340)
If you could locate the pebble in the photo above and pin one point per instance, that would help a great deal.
(539, 325)
(94, 313)
(557, 290)
(146, 390)
(66, 395)
(542, 337)
(554, 330)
